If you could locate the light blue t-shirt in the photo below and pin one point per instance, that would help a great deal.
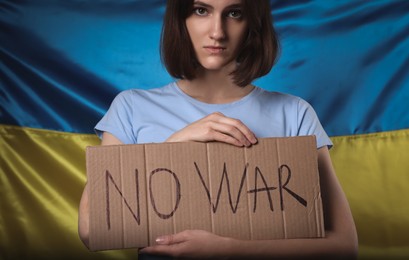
(151, 116)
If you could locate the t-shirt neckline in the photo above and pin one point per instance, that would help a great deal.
(252, 93)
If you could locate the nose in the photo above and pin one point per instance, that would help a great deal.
(217, 31)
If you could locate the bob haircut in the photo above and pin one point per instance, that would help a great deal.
(257, 55)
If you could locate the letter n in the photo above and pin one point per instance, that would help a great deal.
(109, 178)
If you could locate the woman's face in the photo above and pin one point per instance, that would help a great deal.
(216, 29)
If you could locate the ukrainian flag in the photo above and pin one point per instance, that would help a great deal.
(62, 63)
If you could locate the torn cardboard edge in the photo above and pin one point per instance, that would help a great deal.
(267, 191)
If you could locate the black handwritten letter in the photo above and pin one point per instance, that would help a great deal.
(266, 189)
(178, 195)
(224, 176)
(295, 195)
(108, 178)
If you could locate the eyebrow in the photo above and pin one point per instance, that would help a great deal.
(202, 4)
(209, 6)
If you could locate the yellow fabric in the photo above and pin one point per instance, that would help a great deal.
(42, 175)
(41, 181)
(374, 172)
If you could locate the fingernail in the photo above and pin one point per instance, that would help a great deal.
(160, 240)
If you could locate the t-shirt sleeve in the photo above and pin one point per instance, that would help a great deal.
(309, 124)
(118, 119)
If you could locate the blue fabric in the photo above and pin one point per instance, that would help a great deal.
(62, 62)
(151, 116)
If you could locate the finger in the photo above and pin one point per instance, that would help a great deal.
(226, 138)
(158, 249)
(164, 240)
(228, 127)
(228, 134)
(171, 239)
(221, 118)
(247, 133)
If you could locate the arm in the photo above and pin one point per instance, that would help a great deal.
(340, 240)
(83, 212)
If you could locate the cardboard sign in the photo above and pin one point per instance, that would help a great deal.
(268, 191)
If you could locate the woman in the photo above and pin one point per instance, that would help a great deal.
(216, 48)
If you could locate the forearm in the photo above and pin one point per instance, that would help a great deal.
(83, 218)
(330, 247)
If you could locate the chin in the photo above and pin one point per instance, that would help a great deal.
(215, 66)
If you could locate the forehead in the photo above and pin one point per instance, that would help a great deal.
(218, 3)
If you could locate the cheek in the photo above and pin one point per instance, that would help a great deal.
(194, 29)
(239, 35)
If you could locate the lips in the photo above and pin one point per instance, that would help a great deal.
(214, 49)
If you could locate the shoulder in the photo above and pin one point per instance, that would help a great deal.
(290, 105)
(141, 95)
(282, 99)
(139, 92)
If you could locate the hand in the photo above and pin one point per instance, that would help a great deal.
(216, 127)
(190, 243)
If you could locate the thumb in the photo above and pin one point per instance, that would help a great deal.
(164, 240)
(170, 239)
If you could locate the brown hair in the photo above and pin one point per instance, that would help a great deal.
(257, 56)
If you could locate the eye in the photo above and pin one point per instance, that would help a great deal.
(236, 14)
(200, 11)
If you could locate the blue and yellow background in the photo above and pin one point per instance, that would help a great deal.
(62, 63)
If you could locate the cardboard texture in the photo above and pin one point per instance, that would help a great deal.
(268, 191)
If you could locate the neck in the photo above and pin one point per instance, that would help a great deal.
(214, 87)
